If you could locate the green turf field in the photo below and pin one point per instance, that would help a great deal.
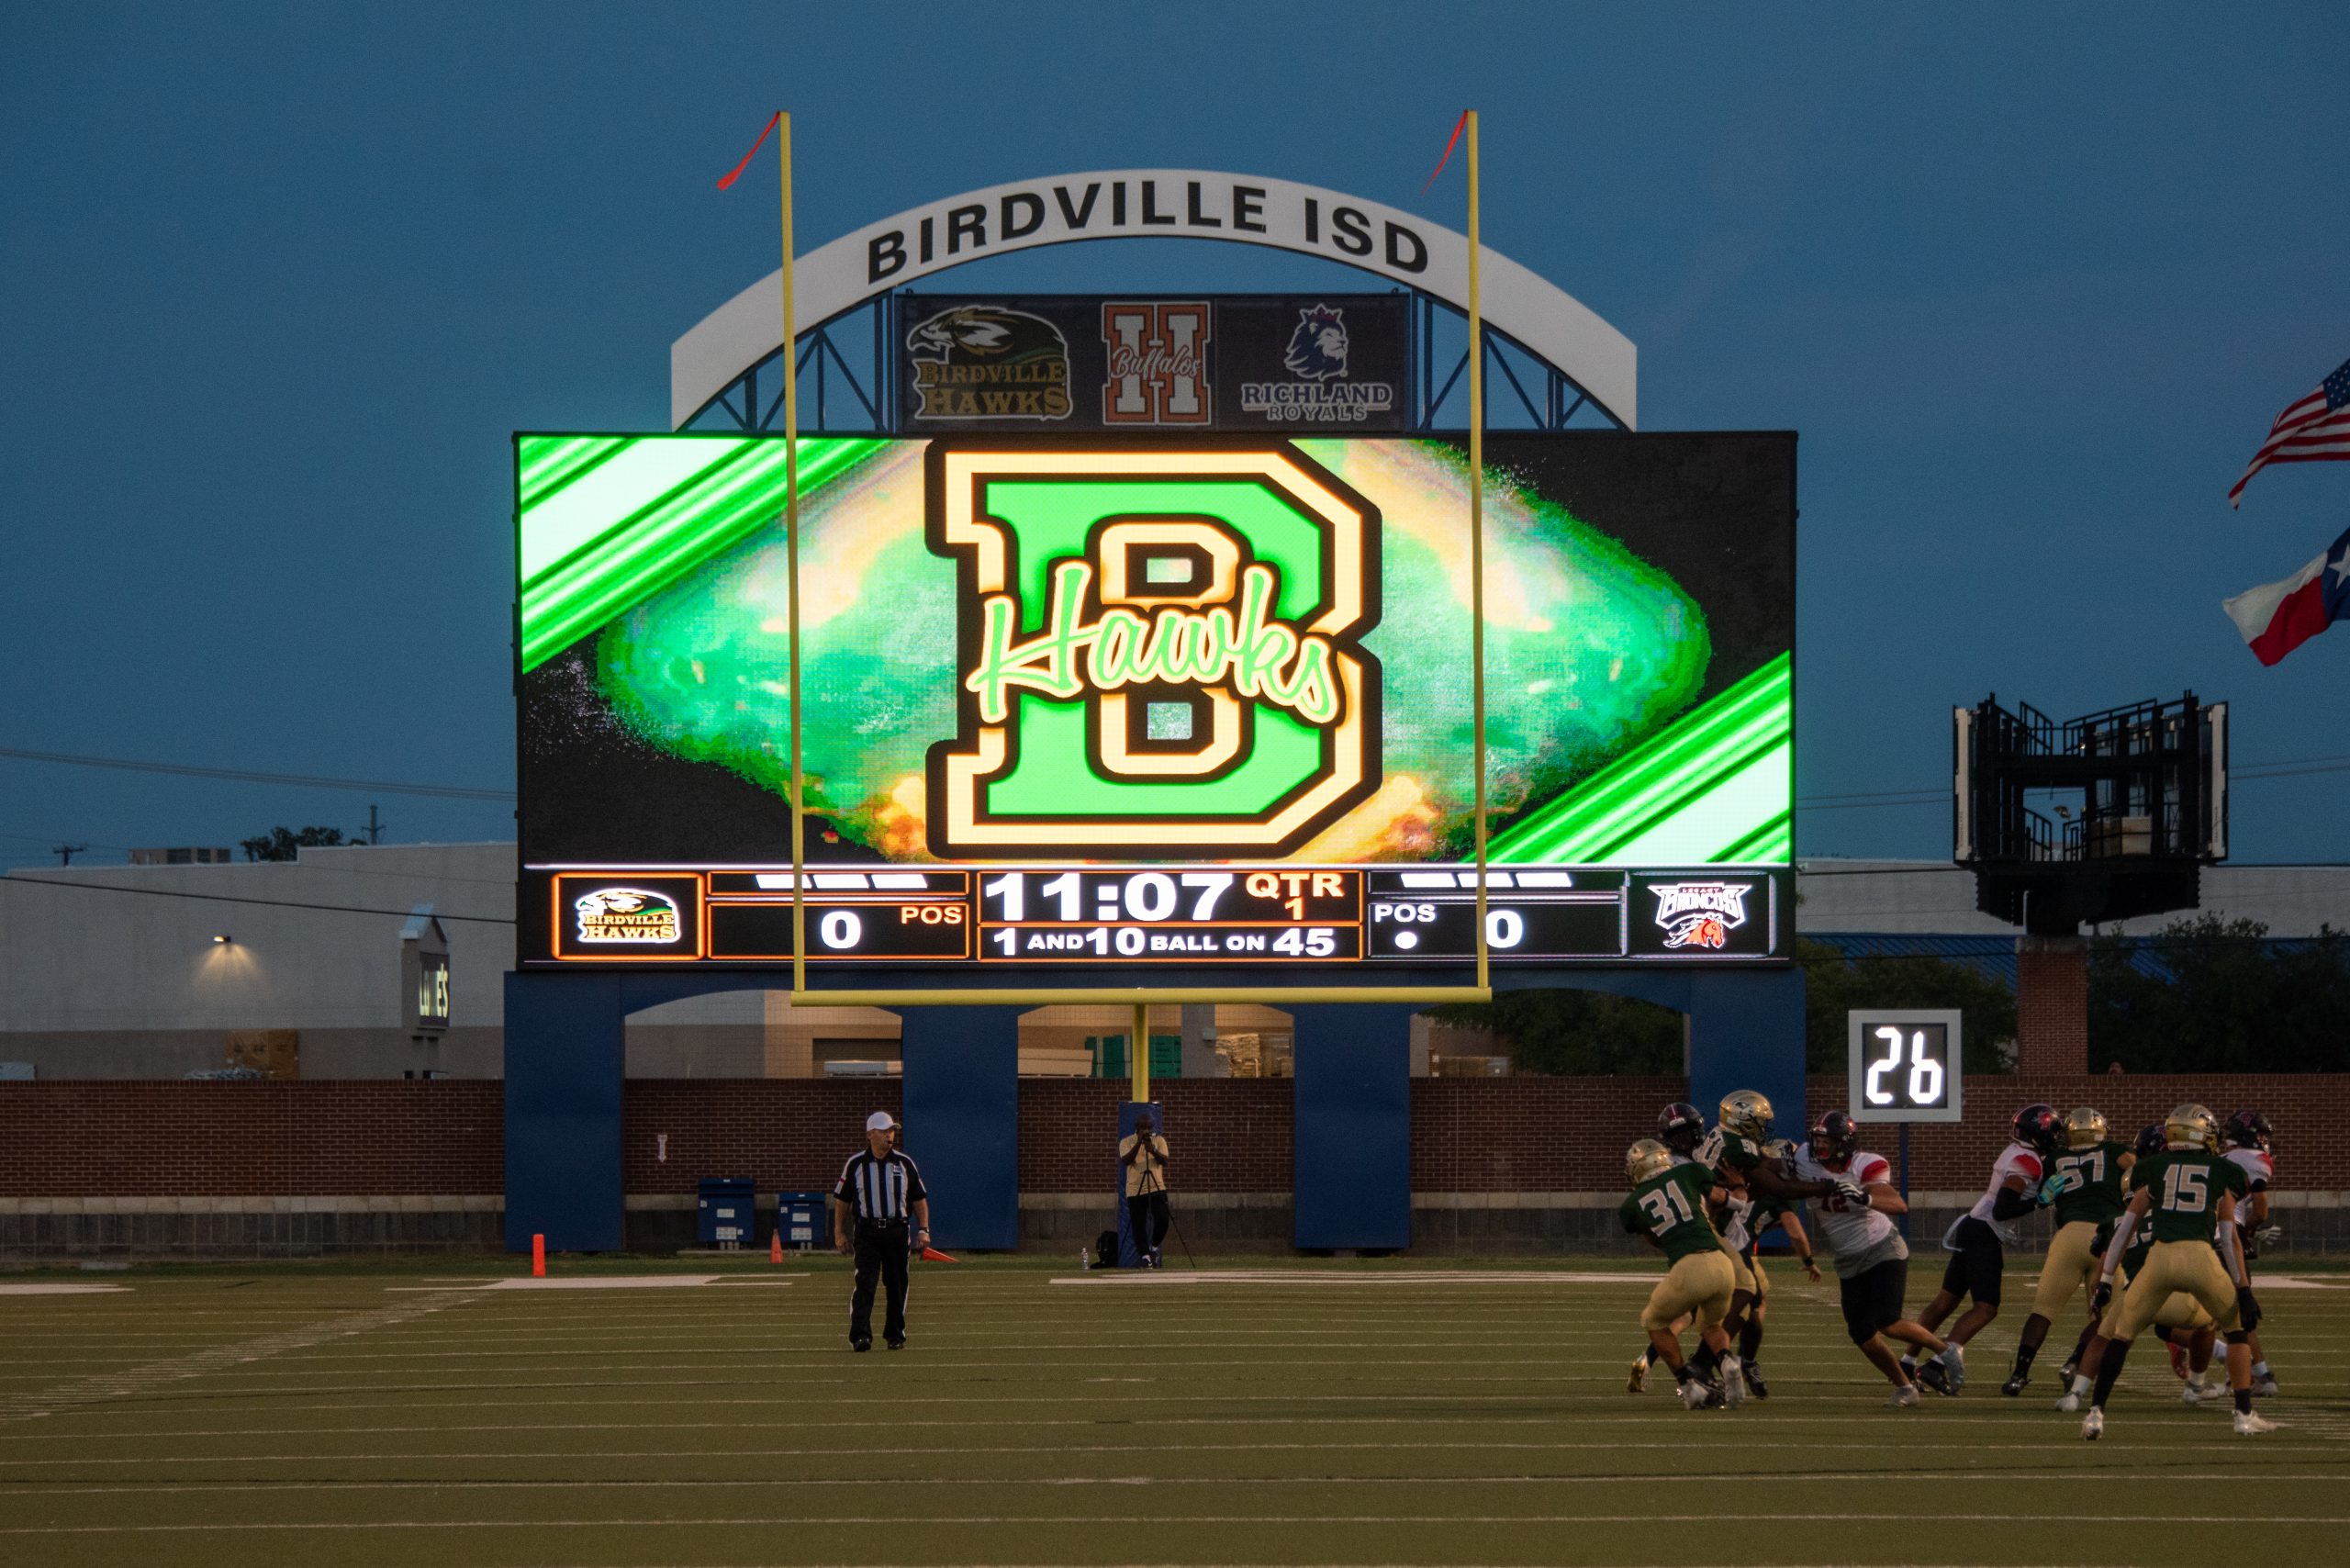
(1329, 1413)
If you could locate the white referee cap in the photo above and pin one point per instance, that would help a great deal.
(879, 1122)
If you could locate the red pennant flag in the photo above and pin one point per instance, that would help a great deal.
(764, 131)
(1458, 127)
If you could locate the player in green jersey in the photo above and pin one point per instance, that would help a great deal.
(1749, 1217)
(2185, 1190)
(1667, 1206)
(1737, 1152)
(2088, 1175)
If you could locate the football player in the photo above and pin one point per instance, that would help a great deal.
(1872, 1261)
(1681, 1128)
(2182, 1325)
(2086, 1211)
(2248, 1139)
(1749, 1218)
(1736, 1151)
(1667, 1204)
(2184, 1190)
(1978, 1258)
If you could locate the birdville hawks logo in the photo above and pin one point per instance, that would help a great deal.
(1322, 394)
(1700, 914)
(626, 914)
(979, 362)
(1159, 649)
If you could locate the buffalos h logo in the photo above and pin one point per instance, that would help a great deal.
(1160, 651)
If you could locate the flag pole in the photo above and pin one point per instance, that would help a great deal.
(1477, 543)
(792, 567)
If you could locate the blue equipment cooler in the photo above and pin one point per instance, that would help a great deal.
(799, 1219)
(728, 1211)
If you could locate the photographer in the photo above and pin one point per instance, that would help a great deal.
(1143, 1155)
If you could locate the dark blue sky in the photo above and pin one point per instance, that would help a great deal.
(279, 281)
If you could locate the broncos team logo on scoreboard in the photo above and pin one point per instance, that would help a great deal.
(1700, 914)
(1159, 649)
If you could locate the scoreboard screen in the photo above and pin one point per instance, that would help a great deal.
(1122, 700)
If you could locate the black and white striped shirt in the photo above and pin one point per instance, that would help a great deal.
(880, 1189)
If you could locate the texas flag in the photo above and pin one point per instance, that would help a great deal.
(2279, 617)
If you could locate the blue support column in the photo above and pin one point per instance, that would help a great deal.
(1353, 1096)
(1746, 1031)
(563, 1072)
(962, 1114)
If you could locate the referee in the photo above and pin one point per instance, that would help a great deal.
(877, 1191)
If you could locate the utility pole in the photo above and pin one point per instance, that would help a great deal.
(65, 852)
(375, 827)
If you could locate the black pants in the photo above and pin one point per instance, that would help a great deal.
(880, 1259)
(1873, 1299)
(1146, 1222)
(1975, 1268)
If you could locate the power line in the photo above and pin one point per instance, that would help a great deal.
(246, 776)
(11, 882)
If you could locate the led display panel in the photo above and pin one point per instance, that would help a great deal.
(1078, 698)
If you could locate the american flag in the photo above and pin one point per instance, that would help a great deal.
(2316, 429)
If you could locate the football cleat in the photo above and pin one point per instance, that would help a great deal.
(1755, 1384)
(1903, 1398)
(2093, 1425)
(1734, 1384)
(2264, 1387)
(2067, 1372)
(2013, 1387)
(1698, 1394)
(2179, 1359)
(2250, 1424)
(1638, 1382)
(1934, 1375)
(1645, 1159)
(2202, 1393)
(1953, 1360)
(2070, 1404)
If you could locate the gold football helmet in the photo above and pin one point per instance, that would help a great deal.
(2084, 1128)
(1746, 1113)
(1645, 1159)
(2192, 1123)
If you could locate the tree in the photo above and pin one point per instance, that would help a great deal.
(282, 843)
(1575, 1032)
(2212, 994)
(1835, 984)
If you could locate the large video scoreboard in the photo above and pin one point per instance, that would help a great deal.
(1134, 702)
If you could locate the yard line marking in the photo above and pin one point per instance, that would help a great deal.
(139, 1380)
(851, 1521)
(46, 1289)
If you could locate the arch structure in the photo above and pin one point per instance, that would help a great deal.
(716, 365)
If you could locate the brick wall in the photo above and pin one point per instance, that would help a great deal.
(790, 1133)
(2053, 1004)
(169, 1137)
(353, 1138)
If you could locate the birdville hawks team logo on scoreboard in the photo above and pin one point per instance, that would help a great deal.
(1159, 649)
(1700, 914)
(627, 914)
(979, 362)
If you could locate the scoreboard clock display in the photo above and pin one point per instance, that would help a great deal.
(1905, 1065)
(1154, 700)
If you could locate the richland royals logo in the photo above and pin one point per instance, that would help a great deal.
(1159, 649)
(627, 914)
(1322, 394)
(979, 362)
(1700, 914)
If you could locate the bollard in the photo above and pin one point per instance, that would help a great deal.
(539, 1256)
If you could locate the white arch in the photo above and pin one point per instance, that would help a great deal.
(1137, 204)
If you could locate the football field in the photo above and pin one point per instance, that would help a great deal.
(1400, 1412)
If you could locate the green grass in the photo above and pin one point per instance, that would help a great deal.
(334, 1414)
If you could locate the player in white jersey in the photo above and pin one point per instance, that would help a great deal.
(1872, 1261)
(2247, 1138)
(1976, 1243)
